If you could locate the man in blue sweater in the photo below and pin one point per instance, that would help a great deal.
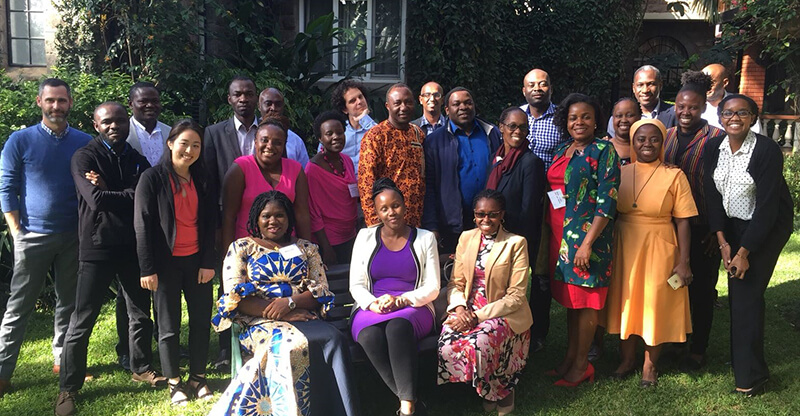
(38, 198)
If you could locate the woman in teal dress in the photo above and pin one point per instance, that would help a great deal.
(586, 172)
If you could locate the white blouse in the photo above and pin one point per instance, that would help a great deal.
(734, 183)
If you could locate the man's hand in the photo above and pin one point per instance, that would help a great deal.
(95, 179)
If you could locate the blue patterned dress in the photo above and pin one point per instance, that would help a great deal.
(276, 380)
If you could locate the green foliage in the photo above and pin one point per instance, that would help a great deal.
(489, 46)
(791, 172)
(134, 38)
(773, 26)
(18, 99)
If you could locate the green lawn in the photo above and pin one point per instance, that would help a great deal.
(112, 392)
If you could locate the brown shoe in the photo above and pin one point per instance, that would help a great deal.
(5, 387)
(65, 403)
(150, 376)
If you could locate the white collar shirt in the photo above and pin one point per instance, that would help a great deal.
(152, 143)
(246, 135)
(733, 181)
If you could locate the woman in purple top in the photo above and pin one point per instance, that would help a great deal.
(394, 277)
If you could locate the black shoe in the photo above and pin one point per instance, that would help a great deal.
(689, 364)
(65, 403)
(759, 388)
(184, 353)
(223, 362)
(124, 361)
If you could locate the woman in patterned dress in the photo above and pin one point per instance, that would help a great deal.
(585, 174)
(274, 287)
(486, 336)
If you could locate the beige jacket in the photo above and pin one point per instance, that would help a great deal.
(506, 278)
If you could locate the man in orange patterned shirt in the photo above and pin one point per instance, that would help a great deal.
(393, 149)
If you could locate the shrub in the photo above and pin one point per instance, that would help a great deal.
(791, 172)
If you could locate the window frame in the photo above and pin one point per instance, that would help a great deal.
(12, 38)
(369, 77)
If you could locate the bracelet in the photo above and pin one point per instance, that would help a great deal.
(724, 245)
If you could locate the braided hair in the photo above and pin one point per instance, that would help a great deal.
(383, 184)
(492, 194)
(261, 202)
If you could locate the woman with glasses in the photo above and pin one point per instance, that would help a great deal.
(518, 174)
(485, 338)
(584, 179)
(750, 210)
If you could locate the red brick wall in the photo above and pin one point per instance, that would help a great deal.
(753, 77)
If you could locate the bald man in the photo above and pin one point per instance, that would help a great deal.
(543, 135)
(720, 80)
(272, 104)
(106, 172)
(430, 98)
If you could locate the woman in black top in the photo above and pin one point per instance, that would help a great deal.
(519, 175)
(750, 210)
(175, 220)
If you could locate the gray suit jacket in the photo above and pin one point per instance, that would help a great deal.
(133, 137)
(220, 149)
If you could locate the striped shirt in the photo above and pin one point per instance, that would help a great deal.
(690, 160)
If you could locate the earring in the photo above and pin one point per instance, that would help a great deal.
(503, 221)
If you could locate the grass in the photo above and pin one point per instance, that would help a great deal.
(707, 392)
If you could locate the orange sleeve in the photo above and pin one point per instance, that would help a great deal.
(368, 166)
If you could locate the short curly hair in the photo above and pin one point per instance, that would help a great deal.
(750, 103)
(261, 202)
(337, 96)
(562, 111)
(696, 81)
(327, 116)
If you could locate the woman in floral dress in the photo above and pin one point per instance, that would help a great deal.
(584, 179)
(485, 338)
(274, 287)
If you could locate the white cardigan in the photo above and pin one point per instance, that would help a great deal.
(426, 258)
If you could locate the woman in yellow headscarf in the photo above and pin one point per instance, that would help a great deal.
(651, 244)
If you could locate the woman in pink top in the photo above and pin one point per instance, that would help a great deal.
(332, 191)
(265, 170)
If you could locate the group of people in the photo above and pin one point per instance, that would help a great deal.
(626, 232)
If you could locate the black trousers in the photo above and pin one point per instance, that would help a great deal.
(122, 324)
(332, 388)
(344, 251)
(94, 277)
(180, 275)
(540, 301)
(746, 298)
(392, 349)
(702, 292)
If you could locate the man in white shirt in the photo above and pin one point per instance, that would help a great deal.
(719, 79)
(147, 135)
(272, 104)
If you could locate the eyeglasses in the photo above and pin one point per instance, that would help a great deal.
(492, 215)
(436, 95)
(512, 127)
(741, 113)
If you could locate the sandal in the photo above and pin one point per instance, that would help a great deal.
(178, 395)
(199, 387)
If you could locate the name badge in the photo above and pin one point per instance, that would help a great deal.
(557, 199)
(353, 187)
(290, 252)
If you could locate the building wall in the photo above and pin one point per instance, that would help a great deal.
(52, 18)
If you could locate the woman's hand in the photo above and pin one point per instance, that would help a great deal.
(684, 272)
(462, 320)
(582, 256)
(205, 275)
(149, 282)
(725, 251)
(299, 315)
(739, 265)
(277, 309)
(400, 302)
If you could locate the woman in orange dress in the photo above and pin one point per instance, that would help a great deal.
(651, 244)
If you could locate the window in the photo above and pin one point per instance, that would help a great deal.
(376, 30)
(26, 32)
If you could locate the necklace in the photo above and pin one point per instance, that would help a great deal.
(333, 169)
(635, 195)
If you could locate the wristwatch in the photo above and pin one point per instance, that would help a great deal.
(292, 305)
